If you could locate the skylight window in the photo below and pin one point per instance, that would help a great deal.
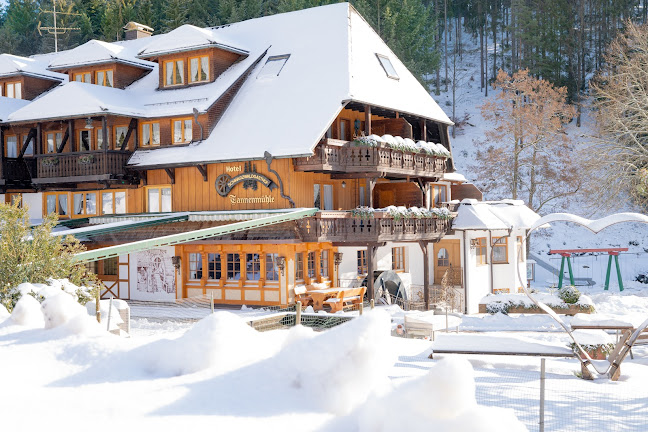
(273, 66)
(387, 66)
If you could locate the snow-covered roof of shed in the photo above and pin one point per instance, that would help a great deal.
(187, 38)
(97, 52)
(332, 60)
(493, 215)
(9, 105)
(15, 65)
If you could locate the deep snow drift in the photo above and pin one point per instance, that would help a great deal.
(221, 369)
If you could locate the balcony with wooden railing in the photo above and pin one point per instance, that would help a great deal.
(335, 156)
(82, 166)
(17, 172)
(342, 226)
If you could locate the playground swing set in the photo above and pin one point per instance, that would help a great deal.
(567, 255)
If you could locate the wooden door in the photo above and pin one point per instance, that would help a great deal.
(446, 254)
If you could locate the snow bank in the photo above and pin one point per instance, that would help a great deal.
(442, 400)
(222, 341)
(341, 367)
(59, 309)
(4, 313)
(27, 312)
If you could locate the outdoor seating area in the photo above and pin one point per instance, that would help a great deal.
(333, 299)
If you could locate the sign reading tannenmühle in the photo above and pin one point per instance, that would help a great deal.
(250, 178)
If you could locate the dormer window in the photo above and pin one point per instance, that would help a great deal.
(104, 78)
(85, 77)
(198, 69)
(182, 131)
(150, 134)
(273, 66)
(14, 90)
(174, 72)
(387, 66)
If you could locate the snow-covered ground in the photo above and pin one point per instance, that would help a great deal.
(61, 370)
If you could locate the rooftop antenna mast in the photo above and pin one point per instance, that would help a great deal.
(55, 30)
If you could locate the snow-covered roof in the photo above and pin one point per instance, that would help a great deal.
(9, 105)
(11, 65)
(454, 177)
(332, 61)
(493, 215)
(97, 52)
(188, 38)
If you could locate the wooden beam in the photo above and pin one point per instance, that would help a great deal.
(371, 183)
(423, 129)
(104, 137)
(30, 137)
(132, 126)
(71, 134)
(64, 141)
(367, 110)
(371, 267)
(39, 139)
(203, 171)
(144, 176)
(348, 176)
(171, 173)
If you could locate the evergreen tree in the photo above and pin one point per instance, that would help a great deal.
(21, 24)
(176, 13)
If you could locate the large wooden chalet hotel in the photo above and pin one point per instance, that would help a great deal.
(295, 126)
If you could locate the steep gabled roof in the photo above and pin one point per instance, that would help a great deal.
(11, 65)
(187, 38)
(332, 61)
(97, 52)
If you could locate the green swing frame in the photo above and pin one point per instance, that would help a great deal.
(566, 255)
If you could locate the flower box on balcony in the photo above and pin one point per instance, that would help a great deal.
(86, 159)
(50, 161)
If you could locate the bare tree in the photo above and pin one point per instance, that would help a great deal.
(527, 155)
(621, 90)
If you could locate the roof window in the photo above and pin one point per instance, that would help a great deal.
(273, 66)
(387, 66)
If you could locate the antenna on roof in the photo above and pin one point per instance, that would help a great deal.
(55, 30)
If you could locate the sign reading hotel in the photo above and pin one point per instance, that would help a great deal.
(250, 179)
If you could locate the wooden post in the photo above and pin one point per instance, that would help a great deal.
(371, 267)
(367, 120)
(104, 137)
(2, 148)
(298, 313)
(71, 136)
(371, 183)
(423, 130)
(39, 140)
(426, 274)
(98, 304)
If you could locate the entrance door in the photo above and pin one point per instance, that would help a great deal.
(446, 254)
(328, 197)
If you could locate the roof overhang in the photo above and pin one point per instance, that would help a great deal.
(193, 48)
(101, 62)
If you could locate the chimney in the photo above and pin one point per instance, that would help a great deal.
(135, 30)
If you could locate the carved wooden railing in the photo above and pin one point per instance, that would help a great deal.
(342, 156)
(15, 170)
(343, 227)
(82, 164)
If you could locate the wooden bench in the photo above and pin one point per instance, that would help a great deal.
(346, 297)
(301, 294)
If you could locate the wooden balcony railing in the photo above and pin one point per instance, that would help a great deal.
(344, 157)
(17, 171)
(341, 226)
(81, 166)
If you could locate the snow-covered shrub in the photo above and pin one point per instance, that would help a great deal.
(569, 294)
(498, 307)
(34, 255)
(417, 213)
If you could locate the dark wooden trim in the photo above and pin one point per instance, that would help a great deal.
(423, 129)
(203, 171)
(371, 267)
(64, 141)
(71, 135)
(38, 148)
(171, 173)
(144, 176)
(132, 126)
(367, 120)
(104, 137)
(2, 149)
(363, 175)
(30, 137)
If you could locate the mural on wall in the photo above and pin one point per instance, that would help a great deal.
(155, 272)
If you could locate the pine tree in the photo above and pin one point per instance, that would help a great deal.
(176, 13)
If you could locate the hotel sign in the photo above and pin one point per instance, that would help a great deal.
(249, 177)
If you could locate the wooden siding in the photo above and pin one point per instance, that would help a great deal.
(398, 194)
(219, 61)
(191, 193)
(123, 74)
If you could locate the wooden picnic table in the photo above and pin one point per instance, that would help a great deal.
(319, 296)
